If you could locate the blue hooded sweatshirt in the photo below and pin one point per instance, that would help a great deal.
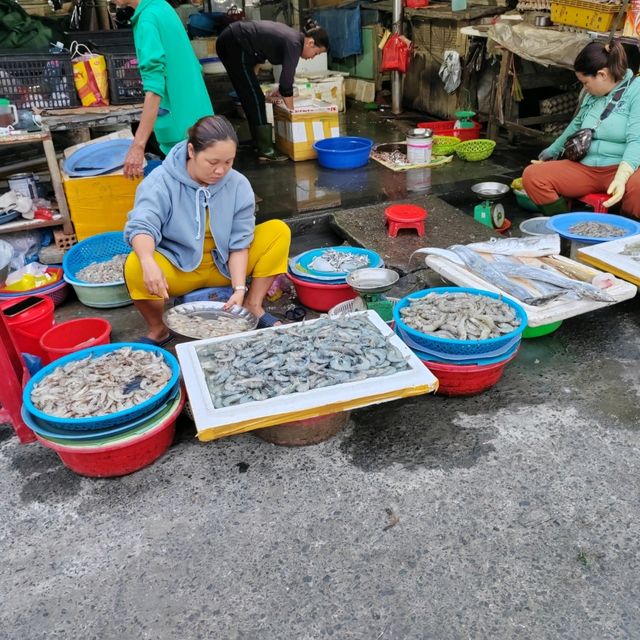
(171, 207)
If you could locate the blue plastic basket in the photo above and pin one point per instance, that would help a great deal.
(496, 355)
(98, 248)
(459, 347)
(76, 436)
(100, 422)
(343, 152)
(561, 224)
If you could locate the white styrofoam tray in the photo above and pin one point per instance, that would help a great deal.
(213, 423)
(553, 311)
(606, 255)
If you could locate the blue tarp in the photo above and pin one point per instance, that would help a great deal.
(343, 27)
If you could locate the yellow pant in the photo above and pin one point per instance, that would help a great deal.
(268, 256)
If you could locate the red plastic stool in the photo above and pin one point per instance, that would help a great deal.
(596, 200)
(404, 216)
(14, 378)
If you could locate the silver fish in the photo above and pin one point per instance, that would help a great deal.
(547, 275)
(489, 272)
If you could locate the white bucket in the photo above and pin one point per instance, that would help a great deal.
(535, 226)
(24, 183)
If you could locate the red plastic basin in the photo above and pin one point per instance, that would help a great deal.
(119, 459)
(74, 335)
(405, 213)
(447, 128)
(466, 380)
(321, 297)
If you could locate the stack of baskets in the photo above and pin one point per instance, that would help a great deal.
(113, 444)
(323, 290)
(463, 367)
(58, 290)
(98, 248)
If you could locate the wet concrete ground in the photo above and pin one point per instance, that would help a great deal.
(513, 514)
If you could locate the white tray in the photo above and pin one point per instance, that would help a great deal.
(212, 423)
(606, 255)
(554, 311)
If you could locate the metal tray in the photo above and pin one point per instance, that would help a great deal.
(209, 310)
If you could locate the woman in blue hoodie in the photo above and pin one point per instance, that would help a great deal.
(193, 226)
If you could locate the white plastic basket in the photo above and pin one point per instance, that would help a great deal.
(351, 306)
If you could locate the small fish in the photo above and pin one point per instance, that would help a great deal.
(104, 272)
(338, 261)
(597, 230)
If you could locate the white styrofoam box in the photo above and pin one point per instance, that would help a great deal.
(212, 423)
(329, 88)
(319, 63)
(608, 255)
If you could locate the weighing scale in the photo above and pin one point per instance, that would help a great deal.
(490, 212)
(371, 284)
(463, 120)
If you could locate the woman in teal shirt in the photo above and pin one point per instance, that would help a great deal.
(613, 158)
(175, 93)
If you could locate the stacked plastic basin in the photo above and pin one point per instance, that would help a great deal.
(58, 290)
(113, 444)
(463, 367)
(323, 290)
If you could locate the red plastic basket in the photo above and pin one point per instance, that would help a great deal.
(321, 297)
(466, 380)
(120, 458)
(74, 335)
(447, 128)
(416, 4)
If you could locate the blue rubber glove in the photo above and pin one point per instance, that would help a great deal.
(545, 155)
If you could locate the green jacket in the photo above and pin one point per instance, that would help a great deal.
(170, 69)
(617, 138)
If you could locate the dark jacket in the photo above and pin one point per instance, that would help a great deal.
(272, 41)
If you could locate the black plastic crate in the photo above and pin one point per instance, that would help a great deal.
(41, 80)
(97, 39)
(125, 83)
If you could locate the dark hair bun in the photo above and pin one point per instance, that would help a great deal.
(310, 24)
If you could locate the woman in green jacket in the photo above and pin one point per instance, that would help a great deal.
(175, 93)
(611, 163)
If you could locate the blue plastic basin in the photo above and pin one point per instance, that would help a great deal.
(344, 152)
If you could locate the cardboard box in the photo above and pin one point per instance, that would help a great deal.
(101, 203)
(297, 130)
(326, 86)
(204, 47)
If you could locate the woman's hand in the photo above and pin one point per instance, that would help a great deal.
(134, 162)
(154, 279)
(236, 298)
(545, 155)
(619, 184)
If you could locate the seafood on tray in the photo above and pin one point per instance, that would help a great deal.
(460, 316)
(104, 272)
(597, 230)
(206, 323)
(339, 261)
(106, 384)
(299, 358)
(548, 284)
(632, 250)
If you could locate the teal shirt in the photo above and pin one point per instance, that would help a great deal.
(170, 69)
(617, 138)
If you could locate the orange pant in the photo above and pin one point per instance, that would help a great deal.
(549, 181)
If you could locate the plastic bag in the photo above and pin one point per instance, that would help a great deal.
(451, 71)
(90, 76)
(25, 247)
(396, 54)
(31, 276)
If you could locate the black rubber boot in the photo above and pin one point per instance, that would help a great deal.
(264, 143)
(553, 208)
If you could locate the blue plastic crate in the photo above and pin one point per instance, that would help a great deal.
(459, 347)
(112, 419)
